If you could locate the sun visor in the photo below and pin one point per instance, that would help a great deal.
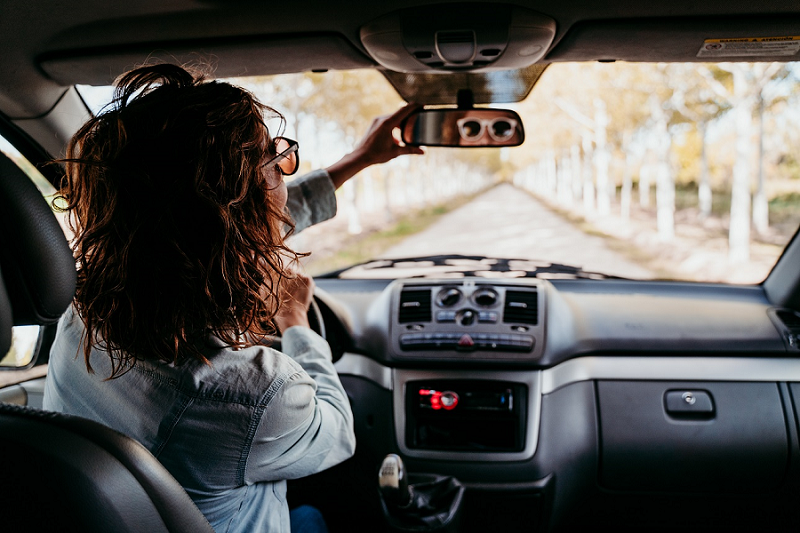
(677, 40)
(228, 57)
(472, 37)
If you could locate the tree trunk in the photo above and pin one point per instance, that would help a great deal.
(760, 204)
(602, 158)
(739, 235)
(353, 216)
(577, 173)
(704, 188)
(627, 182)
(665, 181)
(588, 182)
(645, 177)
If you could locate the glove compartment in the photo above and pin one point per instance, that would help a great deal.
(691, 436)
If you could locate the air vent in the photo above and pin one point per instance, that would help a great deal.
(791, 320)
(521, 307)
(415, 306)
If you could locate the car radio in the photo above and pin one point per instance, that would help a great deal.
(465, 415)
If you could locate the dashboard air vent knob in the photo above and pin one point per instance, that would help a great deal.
(448, 297)
(485, 297)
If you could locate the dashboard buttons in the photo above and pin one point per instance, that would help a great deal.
(460, 341)
(446, 316)
(487, 317)
(466, 342)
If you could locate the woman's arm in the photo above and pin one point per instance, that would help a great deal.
(311, 197)
(307, 426)
(379, 145)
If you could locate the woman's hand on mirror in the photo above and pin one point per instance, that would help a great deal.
(380, 144)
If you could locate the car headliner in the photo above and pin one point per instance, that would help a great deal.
(49, 45)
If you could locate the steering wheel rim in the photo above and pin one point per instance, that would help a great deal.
(315, 320)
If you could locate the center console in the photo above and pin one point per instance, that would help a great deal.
(485, 415)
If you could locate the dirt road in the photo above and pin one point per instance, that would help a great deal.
(524, 228)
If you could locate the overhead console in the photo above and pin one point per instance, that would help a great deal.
(459, 37)
(467, 320)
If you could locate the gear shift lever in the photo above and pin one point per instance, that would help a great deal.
(393, 481)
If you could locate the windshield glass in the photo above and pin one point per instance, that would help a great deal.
(643, 171)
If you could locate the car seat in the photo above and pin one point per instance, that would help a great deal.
(60, 472)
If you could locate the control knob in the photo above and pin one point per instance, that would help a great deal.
(448, 297)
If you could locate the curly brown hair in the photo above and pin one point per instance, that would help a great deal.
(177, 231)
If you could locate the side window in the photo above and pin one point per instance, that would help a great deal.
(24, 339)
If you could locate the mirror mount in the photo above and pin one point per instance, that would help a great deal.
(465, 99)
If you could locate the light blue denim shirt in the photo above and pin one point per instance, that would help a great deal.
(311, 199)
(231, 432)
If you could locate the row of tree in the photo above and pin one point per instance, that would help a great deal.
(599, 137)
(659, 125)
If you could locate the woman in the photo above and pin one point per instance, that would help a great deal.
(177, 200)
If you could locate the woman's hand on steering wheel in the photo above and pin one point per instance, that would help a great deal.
(299, 293)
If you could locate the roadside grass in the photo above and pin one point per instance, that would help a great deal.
(372, 245)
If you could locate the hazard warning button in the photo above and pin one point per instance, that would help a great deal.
(466, 342)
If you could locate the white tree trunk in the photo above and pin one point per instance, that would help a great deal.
(704, 187)
(645, 178)
(665, 181)
(665, 202)
(577, 173)
(627, 185)
(588, 182)
(602, 157)
(739, 235)
(353, 216)
(760, 204)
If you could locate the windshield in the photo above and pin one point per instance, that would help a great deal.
(643, 171)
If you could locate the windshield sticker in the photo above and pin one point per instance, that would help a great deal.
(750, 47)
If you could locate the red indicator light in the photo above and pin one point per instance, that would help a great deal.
(436, 400)
(425, 392)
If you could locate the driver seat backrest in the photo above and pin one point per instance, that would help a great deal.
(60, 472)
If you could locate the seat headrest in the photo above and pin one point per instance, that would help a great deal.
(36, 262)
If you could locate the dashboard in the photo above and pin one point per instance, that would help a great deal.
(561, 404)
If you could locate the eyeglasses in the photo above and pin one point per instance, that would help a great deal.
(500, 128)
(287, 157)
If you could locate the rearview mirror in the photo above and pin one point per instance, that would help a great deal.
(463, 128)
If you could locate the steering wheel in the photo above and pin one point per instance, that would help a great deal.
(315, 322)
